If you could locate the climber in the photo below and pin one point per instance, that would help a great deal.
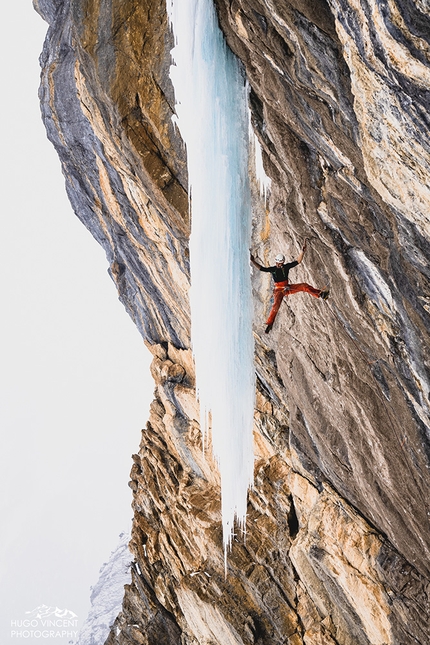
(282, 287)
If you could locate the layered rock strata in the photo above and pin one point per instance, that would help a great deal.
(337, 543)
(373, 257)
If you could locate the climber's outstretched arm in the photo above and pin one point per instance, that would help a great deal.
(255, 263)
(302, 252)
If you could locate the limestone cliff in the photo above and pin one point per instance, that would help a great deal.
(338, 543)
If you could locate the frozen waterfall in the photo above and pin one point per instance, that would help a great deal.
(212, 115)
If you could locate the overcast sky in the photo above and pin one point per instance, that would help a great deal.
(75, 384)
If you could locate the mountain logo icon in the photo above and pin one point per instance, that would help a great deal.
(43, 611)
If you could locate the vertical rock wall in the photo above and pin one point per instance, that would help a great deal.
(357, 370)
(109, 116)
(337, 544)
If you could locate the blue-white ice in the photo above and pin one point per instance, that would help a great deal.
(263, 181)
(212, 115)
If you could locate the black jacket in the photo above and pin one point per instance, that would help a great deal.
(280, 274)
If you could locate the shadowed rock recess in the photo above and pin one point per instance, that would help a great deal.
(337, 549)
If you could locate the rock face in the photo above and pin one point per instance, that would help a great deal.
(123, 161)
(338, 542)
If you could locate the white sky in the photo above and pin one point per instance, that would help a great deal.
(74, 375)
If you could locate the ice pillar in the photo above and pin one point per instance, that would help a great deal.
(212, 115)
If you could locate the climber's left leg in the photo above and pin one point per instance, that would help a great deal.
(303, 286)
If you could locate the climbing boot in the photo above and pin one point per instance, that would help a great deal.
(324, 294)
(268, 328)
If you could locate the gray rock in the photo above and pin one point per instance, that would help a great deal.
(338, 543)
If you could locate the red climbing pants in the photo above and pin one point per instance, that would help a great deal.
(283, 289)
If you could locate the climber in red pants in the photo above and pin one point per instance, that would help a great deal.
(282, 287)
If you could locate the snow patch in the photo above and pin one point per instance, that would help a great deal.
(375, 285)
(264, 182)
(107, 595)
